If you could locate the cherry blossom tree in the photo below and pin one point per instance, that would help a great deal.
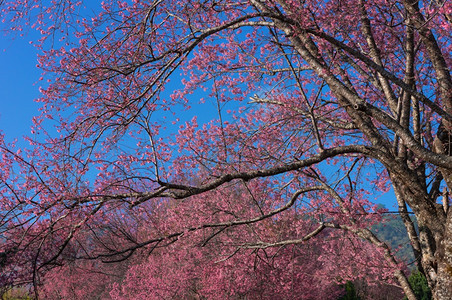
(208, 265)
(234, 125)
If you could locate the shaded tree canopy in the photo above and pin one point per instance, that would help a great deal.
(249, 128)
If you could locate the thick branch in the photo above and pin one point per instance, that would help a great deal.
(182, 191)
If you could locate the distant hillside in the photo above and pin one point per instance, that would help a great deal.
(393, 232)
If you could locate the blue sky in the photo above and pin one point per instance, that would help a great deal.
(19, 86)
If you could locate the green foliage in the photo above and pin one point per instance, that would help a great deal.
(16, 293)
(350, 292)
(419, 285)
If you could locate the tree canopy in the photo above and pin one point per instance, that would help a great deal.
(204, 148)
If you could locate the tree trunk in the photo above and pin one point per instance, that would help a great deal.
(443, 287)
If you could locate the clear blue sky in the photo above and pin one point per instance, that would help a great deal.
(19, 85)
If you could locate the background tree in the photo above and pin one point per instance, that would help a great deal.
(419, 285)
(208, 265)
(315, 102)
